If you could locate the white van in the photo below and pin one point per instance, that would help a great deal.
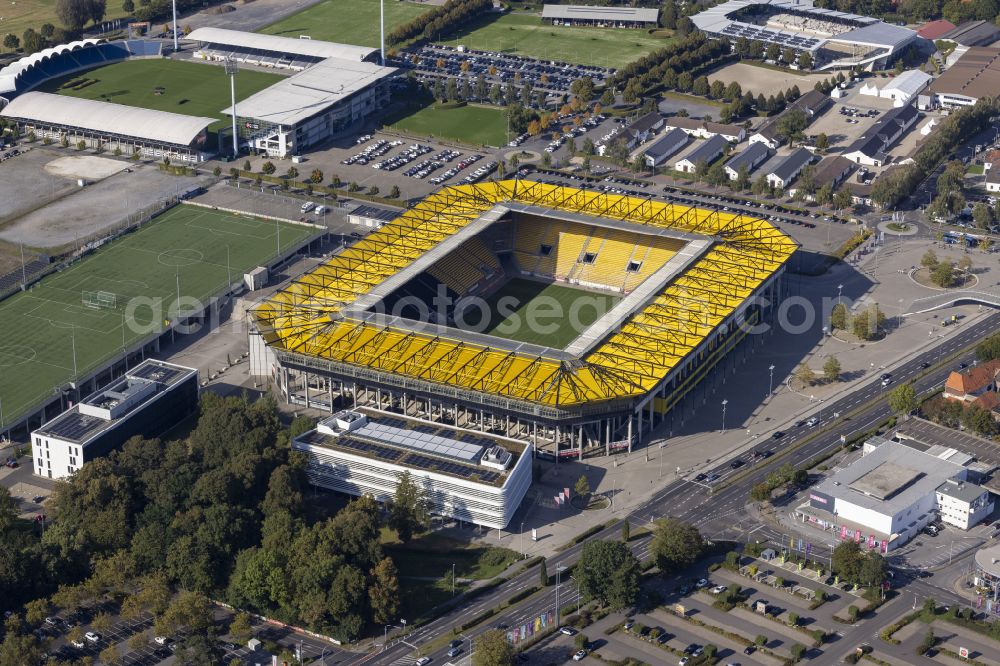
(307, 206)
(320, 210)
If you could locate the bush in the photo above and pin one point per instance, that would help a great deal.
(819, 636)
(852, 658)
(760, 640)
(797, 650)
(927, 643)
(793, 619)
(853, 612)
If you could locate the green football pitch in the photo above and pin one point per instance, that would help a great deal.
(478, 125)
(346, 21)
(183, 251)
(191, 88)
(548, 314)
(524, 34)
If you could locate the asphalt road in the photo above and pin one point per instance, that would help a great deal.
(713, 508)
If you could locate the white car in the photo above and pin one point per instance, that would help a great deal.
(307, 206)
(812, 421)
(92, 637)
(701, 584)
(719, 589)
(569, 631)
(683, 661)
(77, 644)
(580, 656)
(161, 640)
(422, 661)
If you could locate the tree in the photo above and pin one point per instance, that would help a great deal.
(943, 274)
(394, 192)
(824, 195)
(316, 176)
(101, 622)
(292, 173)
(676, 545)
(793, 619)
(929, 260)
(982, 215)
(384, 591)
(11, 41)
(491, 648)
(96, 9)
(805, 60)
(267, 168)
(582, 487)
(73, 13)
(843, 199)
(241, 629)
(797, 650)
(761, 492)
(608, 571)
(792, 123)
(543, 573)
(867, 323)
(760, 185)
(625, 530)
(831, 369)
(36, 610)
(805, 374)
(110, 656)
(408, 509)
(822, 142)
(128, 6)
(846, 560)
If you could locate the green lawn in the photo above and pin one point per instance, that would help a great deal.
(346, 21)
(526, 35)
(478, 125)
(191, 88)
(39, 328)
(541, 313)
(19, 15)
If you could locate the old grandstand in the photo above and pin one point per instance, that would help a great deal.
(834, 39)
(335, 86)
(383, 324)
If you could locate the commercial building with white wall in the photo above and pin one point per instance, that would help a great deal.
(892, 492)
(150, 399)
(464, 474)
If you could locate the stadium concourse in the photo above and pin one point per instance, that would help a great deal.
(688, 283)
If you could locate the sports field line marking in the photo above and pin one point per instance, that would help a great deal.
(69, 326)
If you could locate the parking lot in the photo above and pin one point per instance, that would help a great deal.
(842, 127)
(554, 78)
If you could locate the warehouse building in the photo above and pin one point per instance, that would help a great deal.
(749, 159)
(104, 125)
(706, 153)
(465, 475)
(872, 147)
(975, 74)
(666, 146)
(892, 492)
(150, 399)
(973, 33)
(601, 17)
(789, 168)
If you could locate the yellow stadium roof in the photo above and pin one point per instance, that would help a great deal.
(306, 317)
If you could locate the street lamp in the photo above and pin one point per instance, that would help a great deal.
(840, 290)
(770, 381)
(559, 570)
(724, 403)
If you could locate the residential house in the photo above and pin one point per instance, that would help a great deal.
(790, 168)
(666, 146)
(973, 384)
(750, 158)
(706, 153)
(993, 179)
(638, 132)
(704, 129)
(872, 146)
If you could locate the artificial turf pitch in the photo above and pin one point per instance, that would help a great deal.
(547, 314)
(346, 21)
(190, 88)
(525, 34)
(185, 248)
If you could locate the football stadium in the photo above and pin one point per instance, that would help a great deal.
(834, 39)
(569, 319)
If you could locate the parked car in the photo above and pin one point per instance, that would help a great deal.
(454, 652)
(569, 631)
(92, 636)
(580, 656)
(423, 661)
(701, 584)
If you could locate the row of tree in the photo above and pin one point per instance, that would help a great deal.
(439, 20)
(955, 414)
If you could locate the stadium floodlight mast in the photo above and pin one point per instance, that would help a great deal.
(381, 25)
(231, 69)
(175, 25)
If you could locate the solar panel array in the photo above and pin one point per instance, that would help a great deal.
(74, 426)
(156, 373)
(427, 442)
(755, 32)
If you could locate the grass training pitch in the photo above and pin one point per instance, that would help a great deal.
(40, 329)
(346, 21)
(20, 15)
(190, 88)
(478, 125)
(552, 315)
(525, 34)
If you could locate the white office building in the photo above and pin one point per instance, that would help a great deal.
(149, 400)
(465, 474)
(883, 499)
(963, 504)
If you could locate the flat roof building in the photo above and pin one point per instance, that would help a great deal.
(618, 17)
(892, 492)
(973, 33)
(148, 400)
(975, 74)
(130, 128)
(466, 475)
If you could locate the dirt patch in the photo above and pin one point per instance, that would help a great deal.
(763, 80)
(84, 166)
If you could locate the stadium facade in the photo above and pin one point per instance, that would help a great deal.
(690, 284)
(335, 86)
(834, 39)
